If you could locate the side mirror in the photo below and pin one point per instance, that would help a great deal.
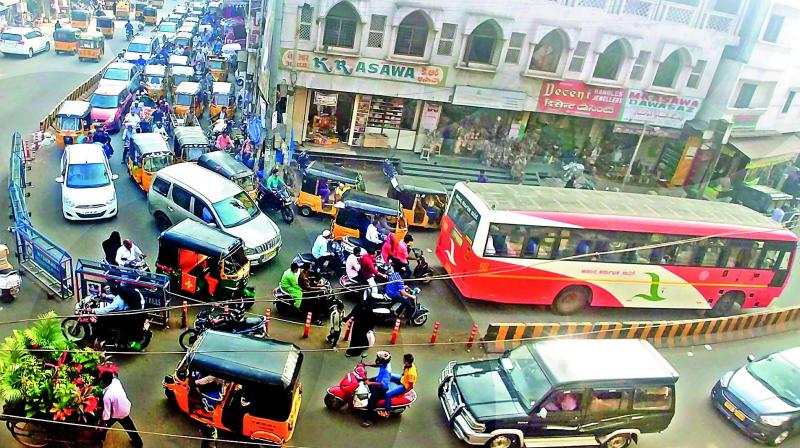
(60, 179)
(542, 413)
(751, 358)
(114, 176)
(212, 224)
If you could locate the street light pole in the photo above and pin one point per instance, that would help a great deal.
(635, 152)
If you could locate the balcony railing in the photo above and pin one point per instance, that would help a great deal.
(662, 11)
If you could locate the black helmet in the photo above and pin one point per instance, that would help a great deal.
(383, 358)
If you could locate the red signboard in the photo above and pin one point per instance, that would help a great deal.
(577, 98)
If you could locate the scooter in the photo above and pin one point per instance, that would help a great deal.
(385, 309)
(276, 200)
(422, 273)
(284, 302)
(129, 35)
(231, 320)
(87, 326)
(353, 391)
(334, 268)
(10, 283)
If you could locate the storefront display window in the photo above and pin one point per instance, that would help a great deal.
(329, 117)
(383, 122)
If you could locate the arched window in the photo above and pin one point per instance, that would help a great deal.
(669, 70)
(412, 35)
(483, 42)
(610, 61)
(340, 26)
(547, 53)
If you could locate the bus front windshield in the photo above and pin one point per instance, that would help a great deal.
(527, 376)
(236, 210)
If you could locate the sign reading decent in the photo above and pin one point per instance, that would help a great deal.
(578, 98)
(366, 68)
(659, 110)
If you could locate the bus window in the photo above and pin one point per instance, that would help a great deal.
(577, 244)
(464, 216)
(538, 242)
(741, 253)
(497, 242)
(684, 254)
(708, 252)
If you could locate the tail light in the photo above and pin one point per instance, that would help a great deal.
(21, 42)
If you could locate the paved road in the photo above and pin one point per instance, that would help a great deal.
(30, 88)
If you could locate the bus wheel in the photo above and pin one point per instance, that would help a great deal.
(726, 304)
(571, 300)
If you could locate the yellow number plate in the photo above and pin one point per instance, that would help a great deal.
(729, 406)
(737, 413)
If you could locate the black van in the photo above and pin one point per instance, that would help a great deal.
(572, 392)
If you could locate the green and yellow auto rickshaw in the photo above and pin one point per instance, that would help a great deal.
(357, 208)
(318, 190)
(91, 46)
(423, 200)
(122, 10)
(222, 96)
(73, 122)
(179, 74)
(228, 167)
(189, 143)
(148, 154)
(218, 66)
(106, 26)
(203, 262)
(150, 15)
(80, 19)
(155, 81)
(187, 99)
(66, 40)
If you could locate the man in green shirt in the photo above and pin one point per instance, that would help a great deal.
(290, 286)
(274, 181)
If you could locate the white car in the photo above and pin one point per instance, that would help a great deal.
(121, 73)
(87, 184)
(26, 41)
(143, 46)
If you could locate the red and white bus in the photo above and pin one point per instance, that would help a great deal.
(571, 248)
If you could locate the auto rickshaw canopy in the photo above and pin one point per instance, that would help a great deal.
(182, 70)
(221, 93)
(105, 22)
(216, 62)
(66, 35)
(155, 70)
(149, 143)
(224, 164)
(184, 35)
(91, 39)
(71, 108)
(79, 14)
(417, 185)
(196, 237)
(331, 172)
(177, 60)
(246, 359)
(188, 88)
(370, 203)
(150, 11)
(188, 138)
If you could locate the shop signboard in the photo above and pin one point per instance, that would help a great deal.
(326, 99)
(430, 116)
(670, 111)
(432, 75)
(580, 99)
(492, 98)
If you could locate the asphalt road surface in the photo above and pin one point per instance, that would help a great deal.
(30, 88)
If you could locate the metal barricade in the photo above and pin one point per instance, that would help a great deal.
(91, 275)
(17, 182)
(44, 260)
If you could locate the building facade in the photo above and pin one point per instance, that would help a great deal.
(755, 89)
(581, 76)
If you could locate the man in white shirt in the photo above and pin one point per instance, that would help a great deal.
(117, 407)
(127, 253)
(778, 213)
(132, 119)
(373, 236)
(353, 265)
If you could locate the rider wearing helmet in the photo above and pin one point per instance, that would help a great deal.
(379, 385)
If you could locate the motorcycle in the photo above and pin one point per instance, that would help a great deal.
(334, 268)
(276, 200)
(384, 308)
(353, 391)
(109, 329)
(422, 272)
(10, 283)
(129, 35)
(319, 308)
(137, 264)
(231, 320)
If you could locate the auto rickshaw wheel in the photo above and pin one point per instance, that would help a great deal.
(305, 211)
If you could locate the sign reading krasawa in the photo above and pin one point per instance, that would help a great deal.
(577, 98)
(433, 75)
(659, 110)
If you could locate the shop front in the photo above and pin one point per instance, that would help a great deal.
(342, 102)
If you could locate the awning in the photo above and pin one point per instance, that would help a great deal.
(8, 3)
(766, 151)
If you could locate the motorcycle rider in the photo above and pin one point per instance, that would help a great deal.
(397, 291)
(116, 303)
(223, 142)
(321, 252)
(128, 28)
(372, 235)
(367, 271)
(5, 266)
(140, 62)
(101, 136)
(127, 135)
(290, 286)
(352, 265)
(312, 293)
(128, 253)
(401, 383)
(379, 385)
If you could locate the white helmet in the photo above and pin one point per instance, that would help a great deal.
(382, 358)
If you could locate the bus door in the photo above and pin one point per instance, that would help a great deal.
(777, 256)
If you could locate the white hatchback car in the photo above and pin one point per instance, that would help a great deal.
(87, 184)
(27, 41)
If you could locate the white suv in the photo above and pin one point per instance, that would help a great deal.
(23, 41)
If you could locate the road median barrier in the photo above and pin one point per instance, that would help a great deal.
(679, 333)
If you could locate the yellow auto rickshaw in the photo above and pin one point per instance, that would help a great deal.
(218, 66)
(179, 74)
(106, 26)
(138, 10)
(150, 15)
(148, 154)
(123, 10)
(356, 209)
(155, 81)
(183, 39)
(222, 96)
(177, 60)
(73, 122)
(91, 46)
(187, 99)
(423, 200)
(320, 180)
(80, 19)
(190, 143)
(66, 40)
